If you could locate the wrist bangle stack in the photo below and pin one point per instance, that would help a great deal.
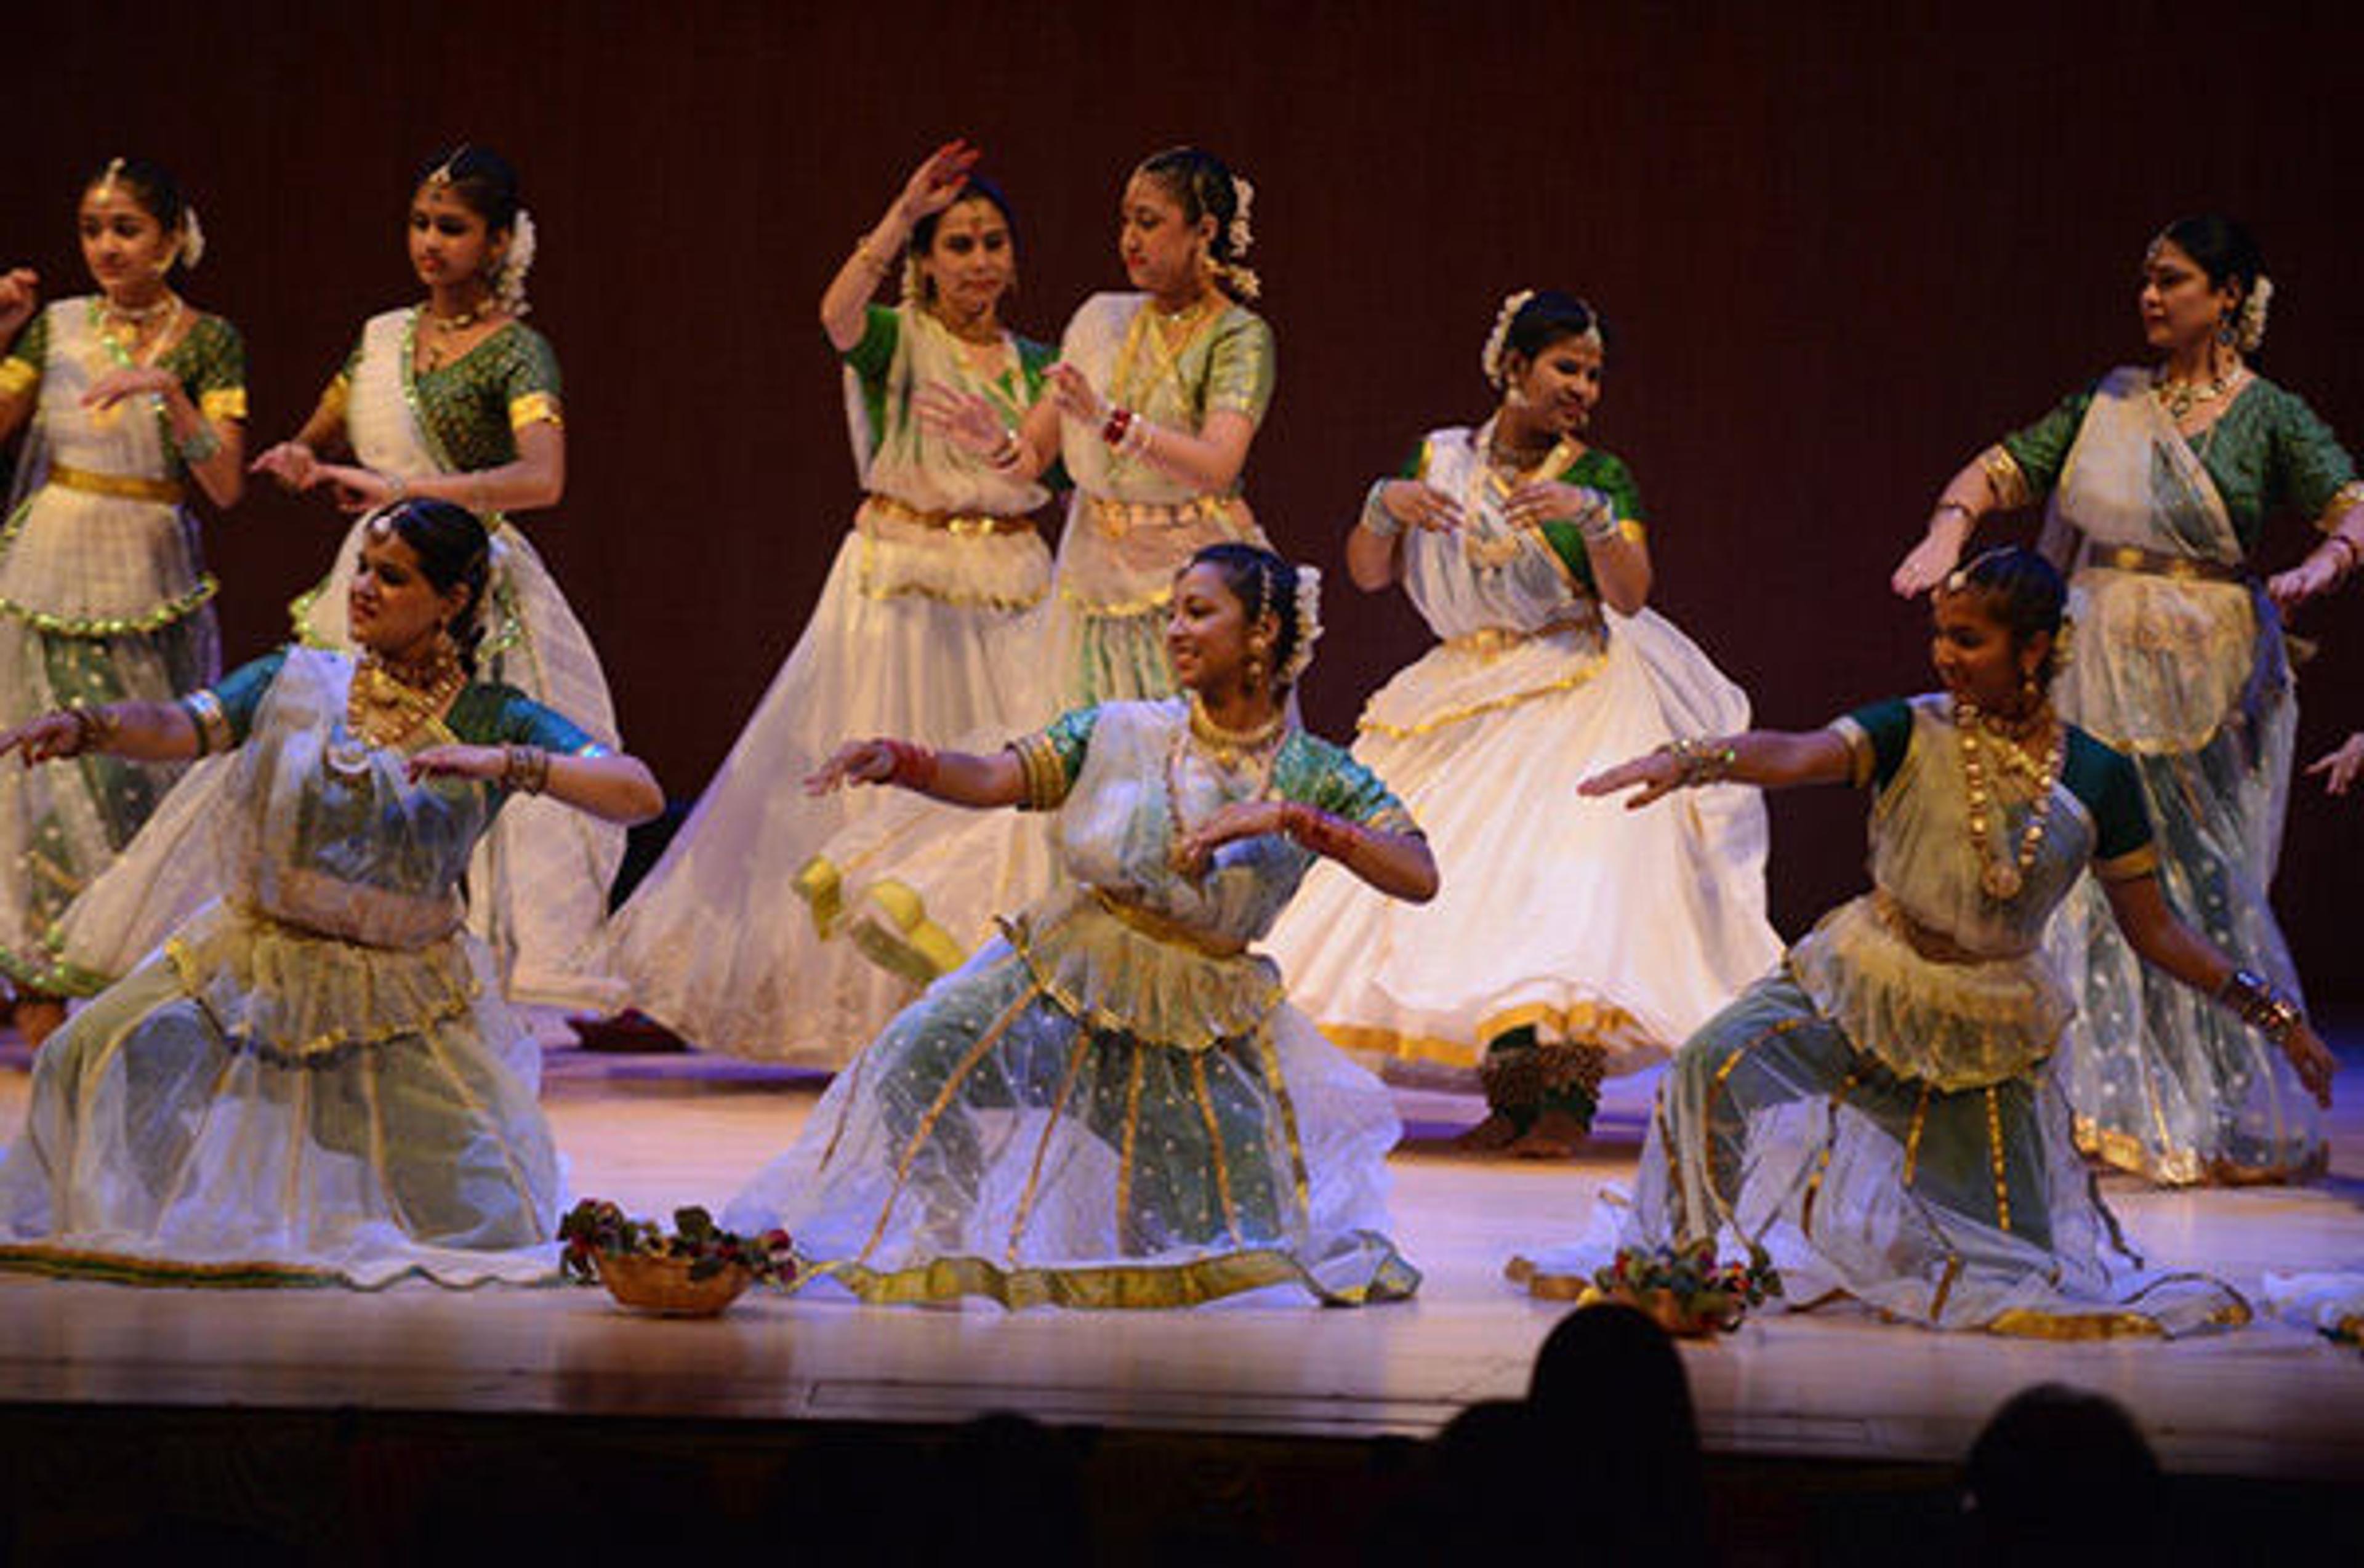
(525, 770)
(1126, 431)
(2255, 1002)
(1702, 762)
(1598, 522)
(202, 446)
(915, 765)
(1376, 520)
(1332, 838)
(92, 727)
(398, 488)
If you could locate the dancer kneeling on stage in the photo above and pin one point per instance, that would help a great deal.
(1879, 1113)
(316, 1079)
(1111, 1105)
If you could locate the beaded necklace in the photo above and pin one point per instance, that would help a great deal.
(1257, 749)
(2001, 880)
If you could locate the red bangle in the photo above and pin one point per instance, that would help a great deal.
(1333, 837)
(915, 765)
(1120, 421)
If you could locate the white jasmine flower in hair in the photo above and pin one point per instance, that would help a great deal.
(1489, 359)
(2253, 315)
(192, 237)
(1309, 622)
(1240, 235)
(510, 288)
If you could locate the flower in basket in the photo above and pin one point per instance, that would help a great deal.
(596, 1229)
(1686, 1287)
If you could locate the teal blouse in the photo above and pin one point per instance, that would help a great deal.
(485, 713)
(2104, 779)
(2267, 452)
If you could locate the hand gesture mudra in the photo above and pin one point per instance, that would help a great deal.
(937, 179)
(965, 418)
(856, 762)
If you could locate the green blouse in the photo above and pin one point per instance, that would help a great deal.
(874, 356)
(1228, 367)
(1307, 769)
(484, 713)
(209, 361)
(2267, 452)
(1595, 469)
(474, 406)
(2104, 779)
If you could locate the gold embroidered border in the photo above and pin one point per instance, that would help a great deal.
(535, 409)
(18, 376)
(1044, 776)
(205, 711)
(223, 403)
(1115, 1286)
(2345, 499)
(2186, 1167)
(2132, 866)
(2006, 481)
(1600, 1026)
(1567, 683)
(1863, 758)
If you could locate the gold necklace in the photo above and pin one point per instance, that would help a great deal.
(2180, 397)
(1488, 474)
(1227, 749)
(385, 706)
(448, 327)
(125, 327)
(2001, 880)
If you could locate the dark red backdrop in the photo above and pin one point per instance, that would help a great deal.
(1840, 249)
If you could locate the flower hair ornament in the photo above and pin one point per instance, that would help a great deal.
(508, 286)
(2249, 325)
(1496, 341)
(1309, 624)
(192, 248)
(1237, 237)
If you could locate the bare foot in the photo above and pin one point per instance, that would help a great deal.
(37, 1018)
(1498, 1131)
(1556, 1135)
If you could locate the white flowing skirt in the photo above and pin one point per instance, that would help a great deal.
(1590, 924)
(262, 1105)
(723, 942)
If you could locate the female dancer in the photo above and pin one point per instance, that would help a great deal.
(132, 393)
(2160, 481)
(317, 1077)
(457, 399)
(1153, 406)
(921, 631)
(1110, 1105)
(1879, 1114)
(1568, 946)
(1154, 401)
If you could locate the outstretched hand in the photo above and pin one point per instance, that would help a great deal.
(358, 489)
(456, 762)
(1929, 564)
(290, 462)
(2342, 765)
(1652, 775)
(963, 418)
(44, 739)
(856, 762)
(1077, 397)
(2313, 1061)
(938, 180)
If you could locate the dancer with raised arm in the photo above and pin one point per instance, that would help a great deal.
(922, 630)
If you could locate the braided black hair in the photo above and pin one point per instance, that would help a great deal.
(2022, 593)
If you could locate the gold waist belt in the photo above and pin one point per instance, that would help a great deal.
(1500, 638)
(2128, 557)
(1117, 518)
(124, 487)
(1165, 928)
(960, 525)
(1930, 942)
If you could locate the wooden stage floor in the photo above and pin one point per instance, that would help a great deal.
(2268, 1401)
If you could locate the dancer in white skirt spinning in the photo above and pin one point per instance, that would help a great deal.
(1568, 944)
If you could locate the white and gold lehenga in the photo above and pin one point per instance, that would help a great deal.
(538, 890)
(104, 597)
(1110, 1105)
(1608, 934)
(927, 630)
(316, 1080)
(1883, 1114)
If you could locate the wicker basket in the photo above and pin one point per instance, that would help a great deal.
(663, 1286)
